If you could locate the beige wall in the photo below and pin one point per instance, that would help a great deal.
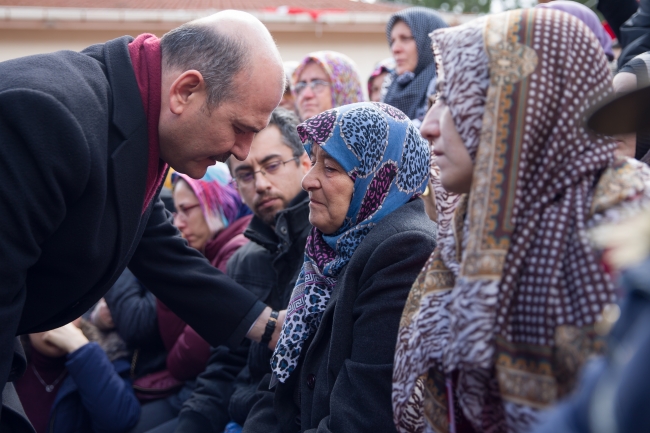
(364, 48)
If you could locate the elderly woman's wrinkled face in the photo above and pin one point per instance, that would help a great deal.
(452, 157)
(403, 47)
(330, 191)
(625, 82)
(189, 218)
(313, 91)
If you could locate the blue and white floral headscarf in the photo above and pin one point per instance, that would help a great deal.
(385, 156)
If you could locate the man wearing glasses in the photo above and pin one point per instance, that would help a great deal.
(269, 182)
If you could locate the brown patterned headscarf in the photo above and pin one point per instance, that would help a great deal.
(502, 315)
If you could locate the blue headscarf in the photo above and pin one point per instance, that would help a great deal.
(385, 156)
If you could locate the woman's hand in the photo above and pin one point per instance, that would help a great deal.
(68, 338)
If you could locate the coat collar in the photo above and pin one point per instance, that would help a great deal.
(129, 158)
(290, 223)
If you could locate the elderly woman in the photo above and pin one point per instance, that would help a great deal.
(370, 238)
(324, 80)
(503, 315)
(413, 79)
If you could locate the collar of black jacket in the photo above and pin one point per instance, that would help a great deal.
(289, 224)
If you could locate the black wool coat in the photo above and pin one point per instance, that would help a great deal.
(344, 377)
(73, 168)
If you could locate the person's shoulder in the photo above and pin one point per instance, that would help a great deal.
(408, 217)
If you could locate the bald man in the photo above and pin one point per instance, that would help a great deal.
(86, 139)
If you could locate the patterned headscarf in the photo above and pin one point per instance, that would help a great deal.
(408, 91)
(220, 202)
(345, 83)
(385, 156)
(587, 16)
(504, 310)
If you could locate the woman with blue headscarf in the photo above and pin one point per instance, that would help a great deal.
(413, 79)
(370, 237)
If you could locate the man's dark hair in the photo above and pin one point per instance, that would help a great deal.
(217, 56)
(287, 121)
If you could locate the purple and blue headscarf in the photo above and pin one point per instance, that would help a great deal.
(388, 160)
(219, 201)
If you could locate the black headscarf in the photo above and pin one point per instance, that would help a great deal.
(640, 66)
(408, 91)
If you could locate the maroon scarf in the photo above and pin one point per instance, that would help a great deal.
(146, 58)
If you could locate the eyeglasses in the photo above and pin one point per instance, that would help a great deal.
(271, 168)
(183, 211)
(317, 86)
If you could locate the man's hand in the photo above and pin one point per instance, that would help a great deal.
(68, 337)
(258, 328)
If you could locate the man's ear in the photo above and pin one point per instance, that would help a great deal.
(185, 90)
(305, 162)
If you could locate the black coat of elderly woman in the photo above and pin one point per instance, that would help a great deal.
(332, 366)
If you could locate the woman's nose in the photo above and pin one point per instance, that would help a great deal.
(430, 128)
(309, 181)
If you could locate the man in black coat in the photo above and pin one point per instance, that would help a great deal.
(85, 142)
(268, 266)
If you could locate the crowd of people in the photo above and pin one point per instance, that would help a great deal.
(465, 252)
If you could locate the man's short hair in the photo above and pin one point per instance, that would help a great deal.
(217, 56)
(287, 121)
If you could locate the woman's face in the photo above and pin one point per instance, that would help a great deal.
(625, 82)
(375, 87)
(313, 100)
(330, 191)
(189, 218)
(456, 166)
(403, 47)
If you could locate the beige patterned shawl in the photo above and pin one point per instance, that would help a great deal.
(504, 310)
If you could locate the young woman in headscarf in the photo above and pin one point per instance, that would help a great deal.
(332, 366)
(325, 80)
(503, 315)
(635, 74)
(413, 79)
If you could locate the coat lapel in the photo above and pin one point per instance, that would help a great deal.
(130, 157)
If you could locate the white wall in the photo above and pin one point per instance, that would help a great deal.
(364, 48)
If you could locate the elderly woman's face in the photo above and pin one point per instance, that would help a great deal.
(189, 218)
(452, 157)
(313, 91)
(403, 47)
(330, 191)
